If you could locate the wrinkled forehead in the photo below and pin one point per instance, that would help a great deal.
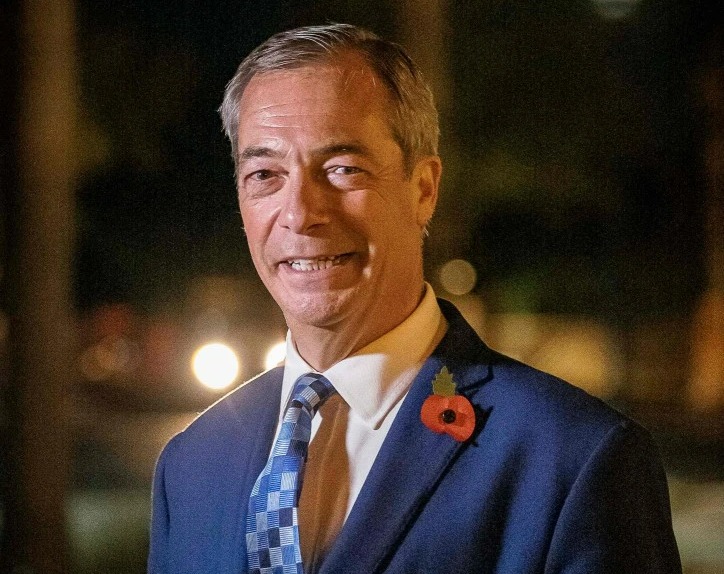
(333, 80)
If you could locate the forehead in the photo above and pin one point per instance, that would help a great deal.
(343, 86)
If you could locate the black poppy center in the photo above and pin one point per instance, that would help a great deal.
(448, 416)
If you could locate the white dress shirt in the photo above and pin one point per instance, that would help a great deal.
(349, 429)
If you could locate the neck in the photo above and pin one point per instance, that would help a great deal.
(323, 347)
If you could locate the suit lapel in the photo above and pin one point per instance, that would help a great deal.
(411, 462)
(261, 409)
(255, 408)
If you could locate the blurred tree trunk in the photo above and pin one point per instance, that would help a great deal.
(42, 328)
(424, 30)
(706, 388)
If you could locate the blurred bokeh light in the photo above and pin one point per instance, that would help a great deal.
(275, 355)
(215, 365)
(458, 277)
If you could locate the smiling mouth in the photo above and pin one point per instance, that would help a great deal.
(318, 263)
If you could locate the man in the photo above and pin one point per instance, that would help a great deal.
(505, 469)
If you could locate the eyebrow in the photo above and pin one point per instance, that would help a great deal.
(257, 151)
(343, 147)
(353, 147)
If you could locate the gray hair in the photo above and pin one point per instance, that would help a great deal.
(413, 116)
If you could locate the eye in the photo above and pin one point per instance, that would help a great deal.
(345, 170)
(262, 182)
(260, 175)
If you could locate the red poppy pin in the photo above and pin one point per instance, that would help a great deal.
(445, 412)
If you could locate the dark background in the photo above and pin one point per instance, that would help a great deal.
(577, 177)
(591, 130)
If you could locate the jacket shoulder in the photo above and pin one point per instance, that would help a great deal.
(535, 412)
(517, 395)
(535, 392)
(233, 417)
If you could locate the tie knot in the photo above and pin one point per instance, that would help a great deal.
(311, 390)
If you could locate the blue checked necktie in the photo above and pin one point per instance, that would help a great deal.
(272, 529)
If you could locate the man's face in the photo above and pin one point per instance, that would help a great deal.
(333, 220)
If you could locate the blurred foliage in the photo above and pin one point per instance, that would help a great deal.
(572, 148)
(581, 158)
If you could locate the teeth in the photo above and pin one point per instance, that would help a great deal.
(315, 264)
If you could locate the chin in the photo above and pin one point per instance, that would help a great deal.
(322, 311)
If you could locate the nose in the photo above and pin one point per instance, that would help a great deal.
(304, 205)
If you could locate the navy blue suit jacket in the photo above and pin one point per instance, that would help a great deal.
(552, 481)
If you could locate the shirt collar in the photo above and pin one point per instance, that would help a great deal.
(372, 380)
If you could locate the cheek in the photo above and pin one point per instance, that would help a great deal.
(391, 232)
(402, 206)
(254, 230)
(378, 211)
(257, 215)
